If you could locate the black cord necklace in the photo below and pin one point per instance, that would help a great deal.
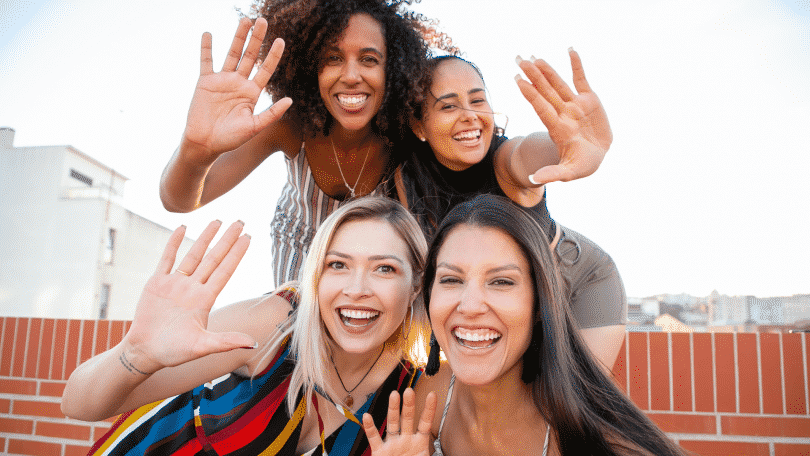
(349, 400)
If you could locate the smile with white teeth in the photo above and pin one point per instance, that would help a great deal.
(352, 101)
(356, 318)
(468, 135)
(476, 339)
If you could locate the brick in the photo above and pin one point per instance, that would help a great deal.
(76, 450)
(771, 359)
(102, 336)
(88, 340)
(681, 372)
(706, 448)
(765, 426)
(72, 354)
(13, 386)
(34, 337)
(59, 340)
(659, 371)
(704, 372)
(638, 381)
(748, 371)
(5, 405)
(127, 325)
(33, 448)
(620, 367)
(20, 344)
(726, 374)
(685, 423)
(46, 348)
(52, 389)
(116, 332)
(16, 426)
(100, 430)
(795, 388)
(6, 357)
(790, 449)
(37, 408)
(63, 430)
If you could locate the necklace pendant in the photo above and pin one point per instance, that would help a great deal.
(348, 400)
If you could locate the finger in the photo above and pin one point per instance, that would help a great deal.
(221, 342)
(548, 115)
(554, 173)
(235, 52)
(541, 84)
(252, 51)
(268, 67)
(206, 62)
(392, 426)
(373, 436)
(272, 114)
(580, 83)
(197, 251)
(555, 80)
(408, 411)
(218, 253)
(170, 252)
(426, 421)
(222, 274)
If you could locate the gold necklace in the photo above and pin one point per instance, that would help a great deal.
(349, 400)
(340, 170)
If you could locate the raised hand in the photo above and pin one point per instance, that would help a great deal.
(170, 324)
(221, 116)
(576, 122)
(400, 439)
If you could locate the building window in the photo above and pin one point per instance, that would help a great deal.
(109, 247)
(104, 301)
(81, 177)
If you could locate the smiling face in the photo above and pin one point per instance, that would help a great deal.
(366, 285)
(481, 304)
(352, 74)
(457, 120)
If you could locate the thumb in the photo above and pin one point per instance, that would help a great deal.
(274, 112)
(551, 173)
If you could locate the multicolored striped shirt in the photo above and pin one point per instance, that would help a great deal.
(300, 210)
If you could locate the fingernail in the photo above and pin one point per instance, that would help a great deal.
(532, 59)
(251, 347)
(571, 49)
(531, 179)
(518, 59)
(247, 236)
(239, 221)
(518, 78)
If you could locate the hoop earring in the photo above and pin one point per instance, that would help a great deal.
(500, 131)
(433, 356)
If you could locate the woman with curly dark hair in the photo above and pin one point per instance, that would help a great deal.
(351, 69)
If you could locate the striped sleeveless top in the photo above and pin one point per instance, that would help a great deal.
(300, 210)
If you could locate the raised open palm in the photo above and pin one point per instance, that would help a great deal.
(221, 116)
(171, 320)
(576, 122)
(401, 440)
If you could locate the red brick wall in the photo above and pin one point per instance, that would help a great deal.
(715, 394)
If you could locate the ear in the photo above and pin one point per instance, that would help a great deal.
(418, 129)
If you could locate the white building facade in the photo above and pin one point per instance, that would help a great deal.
(68, 249)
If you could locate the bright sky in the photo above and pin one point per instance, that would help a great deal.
(704, 187)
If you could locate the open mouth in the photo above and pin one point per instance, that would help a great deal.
(468, 136)
(476, 339)
(352, 102)
(356, 318)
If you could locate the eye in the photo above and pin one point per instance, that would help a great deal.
(386, 269)
(447, 107)
(479, 101)
(332, 59)
(336, 265)
(449, 280)
(370, 60)
(503, 282)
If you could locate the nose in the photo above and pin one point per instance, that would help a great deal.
(472, 301)
(467, 113)
(357, 286)
(351, 73)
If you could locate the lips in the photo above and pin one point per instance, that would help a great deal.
(357, 318)
(476, 338)
(352, 102)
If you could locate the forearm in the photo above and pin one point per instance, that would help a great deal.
(528, 154)
(101, 386)
(183, 181)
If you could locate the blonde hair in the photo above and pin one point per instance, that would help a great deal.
(304, 325)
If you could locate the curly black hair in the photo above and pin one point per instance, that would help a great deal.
(308, 27)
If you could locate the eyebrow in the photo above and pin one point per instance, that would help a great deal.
(373, 50)
(454, 95)
(506, 267)
(372, 257)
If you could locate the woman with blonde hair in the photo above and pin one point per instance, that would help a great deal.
(333, 348)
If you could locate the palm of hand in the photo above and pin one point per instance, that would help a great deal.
(581, 130)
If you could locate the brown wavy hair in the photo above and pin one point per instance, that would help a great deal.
(308, 27)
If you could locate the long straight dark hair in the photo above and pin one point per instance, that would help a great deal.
(586, 411)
